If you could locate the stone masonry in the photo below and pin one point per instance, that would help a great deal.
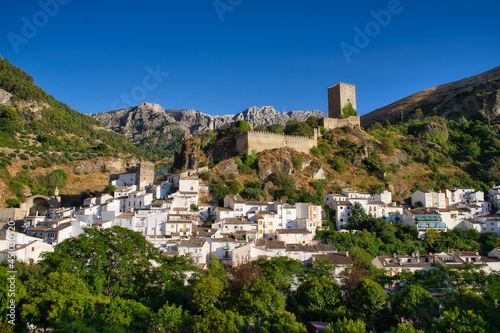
(340, 95)
(248, 141)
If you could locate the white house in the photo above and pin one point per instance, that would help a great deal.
(294, 236)
(424, 219)
(491, 222)
(199, 249)
(31, 251)
(494, 196)
(429, 198)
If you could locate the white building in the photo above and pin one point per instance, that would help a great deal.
(29, 252)
(57, 234)
(424, 219)
(124, 179)
(198, 249)
(294, 236)
(429, 198)
(494, 196)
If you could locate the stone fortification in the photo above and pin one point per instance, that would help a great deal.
(339, 96)
(332, 123)
(248, 141)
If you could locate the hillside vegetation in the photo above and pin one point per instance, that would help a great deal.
(421, 153)
(54, 126)
(39, 132)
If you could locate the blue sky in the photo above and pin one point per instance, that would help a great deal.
(223, 56)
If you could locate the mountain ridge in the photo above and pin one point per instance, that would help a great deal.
(452, 100)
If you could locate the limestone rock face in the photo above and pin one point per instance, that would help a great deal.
(148, 118)
(108, 164)
(398, 158)
(434, 128)
(282, 165)
(5, 97)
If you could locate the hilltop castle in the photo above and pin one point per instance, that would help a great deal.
(339, 97)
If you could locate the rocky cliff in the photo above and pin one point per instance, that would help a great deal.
(452, 100)
(148, 119)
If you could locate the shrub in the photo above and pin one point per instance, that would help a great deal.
(12, 203)
(338, 164)
(297, 163)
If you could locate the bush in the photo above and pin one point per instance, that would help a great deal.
(294, 127)
(206, 176)
(12, 203)
(338, 164)
(275, 128)
(297, 163)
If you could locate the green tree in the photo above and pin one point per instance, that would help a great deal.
(259, 298)
(12, 202)
(346, 326)
(55, 295)
(118, 262)
(281, 322)
(358, 217)
(338, 164)
(110, 189)
(297, 163)
(275, 128)
(402, 328)
(206, 293)
(234, 187)
(241, 126)
(368, 299)
(128, 314)
(461, 321)
(415, 305)
(218, 321)
(281, 272)
(294, 127)
(169, 319)
(316, 298)
(313, 121)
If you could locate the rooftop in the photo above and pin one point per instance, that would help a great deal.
(293, 231)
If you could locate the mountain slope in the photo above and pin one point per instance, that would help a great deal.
(32, 118)
(452, 100)
(160, 131)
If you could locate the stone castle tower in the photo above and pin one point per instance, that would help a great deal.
(339, 96)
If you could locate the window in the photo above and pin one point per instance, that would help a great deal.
(260, 231)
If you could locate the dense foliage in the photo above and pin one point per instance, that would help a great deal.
(55, 127)
(471, 144)
(112, 280)
(379, 237)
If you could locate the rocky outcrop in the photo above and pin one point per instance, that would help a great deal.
(5, 97)
(147, 119)
(106, 164)
(452, 100)
(434, 128)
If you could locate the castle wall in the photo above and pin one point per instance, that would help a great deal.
(332, 123)
(12, 214)
(248, 141)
